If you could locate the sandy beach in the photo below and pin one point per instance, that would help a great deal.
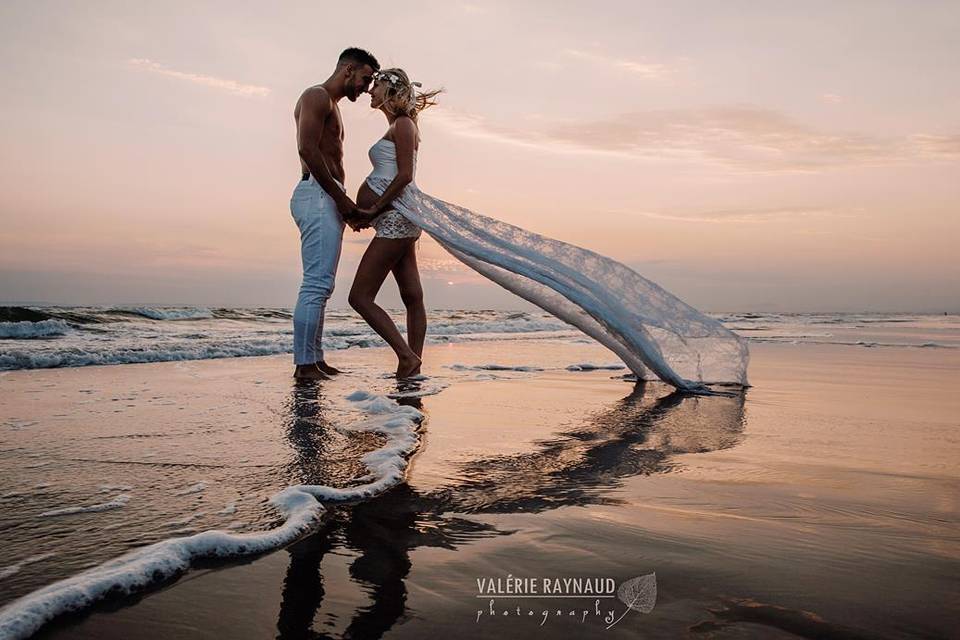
(822, 503)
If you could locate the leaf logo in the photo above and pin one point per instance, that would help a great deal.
(639, 594)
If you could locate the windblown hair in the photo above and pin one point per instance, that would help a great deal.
(402, 97)
(359, 56)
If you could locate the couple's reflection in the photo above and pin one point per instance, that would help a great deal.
(638, 435)
(381, 539)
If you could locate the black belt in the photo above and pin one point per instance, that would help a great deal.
(306, 176)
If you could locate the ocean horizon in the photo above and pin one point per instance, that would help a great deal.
(34, 337)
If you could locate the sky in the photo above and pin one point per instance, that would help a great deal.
(774, 156)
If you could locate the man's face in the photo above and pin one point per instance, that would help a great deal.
(358, 81)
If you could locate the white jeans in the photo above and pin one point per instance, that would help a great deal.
(321, 237)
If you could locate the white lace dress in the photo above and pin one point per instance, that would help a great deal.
(650, 329)
(391, 223)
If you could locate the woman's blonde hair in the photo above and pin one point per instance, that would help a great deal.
(403, 97)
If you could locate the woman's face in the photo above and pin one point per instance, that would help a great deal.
(378, 94)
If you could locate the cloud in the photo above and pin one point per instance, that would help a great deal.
(474, 126)
(471, 8)
(642, 67)
(831, 98)
(748, 215)
(741, 138)
(934, 146)
(230, 86)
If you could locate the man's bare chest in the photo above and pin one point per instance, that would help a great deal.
(334, 129)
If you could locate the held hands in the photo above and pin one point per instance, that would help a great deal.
(360, 218)
(350, 213)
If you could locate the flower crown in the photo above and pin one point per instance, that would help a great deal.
(393, 79)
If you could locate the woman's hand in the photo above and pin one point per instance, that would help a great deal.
(361, 218)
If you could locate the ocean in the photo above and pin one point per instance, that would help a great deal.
(49, 337)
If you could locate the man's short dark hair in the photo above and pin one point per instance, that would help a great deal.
(359, 56)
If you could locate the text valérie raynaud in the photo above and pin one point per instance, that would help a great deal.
(516, 586)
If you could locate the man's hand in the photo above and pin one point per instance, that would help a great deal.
(365, 217)
(355, 220)
(360, 218)
(355, 223)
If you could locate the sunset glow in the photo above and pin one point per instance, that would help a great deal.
(785, 158)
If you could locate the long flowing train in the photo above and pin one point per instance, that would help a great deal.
(642, 323)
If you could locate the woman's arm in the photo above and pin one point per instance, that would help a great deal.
(405, 140)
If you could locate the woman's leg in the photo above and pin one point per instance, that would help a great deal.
(379, 258)
(407, 276)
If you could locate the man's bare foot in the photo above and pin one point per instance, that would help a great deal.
(409, 366)
(327, 369)
(309, 372)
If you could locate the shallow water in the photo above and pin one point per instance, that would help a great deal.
(822, 503)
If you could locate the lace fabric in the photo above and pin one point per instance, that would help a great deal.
(645, 325)
(392, 225)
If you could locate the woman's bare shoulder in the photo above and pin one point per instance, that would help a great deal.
(404, 127)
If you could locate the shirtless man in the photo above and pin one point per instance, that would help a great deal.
(319, 204)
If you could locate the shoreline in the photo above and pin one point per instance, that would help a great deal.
(496, 470)
(88, 336)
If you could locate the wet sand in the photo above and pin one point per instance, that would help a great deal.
(822, 503)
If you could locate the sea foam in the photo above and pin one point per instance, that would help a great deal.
(299, 506)
(24, 329)
(493, 367)
(588, 366)
(117, 503)
(168, 313)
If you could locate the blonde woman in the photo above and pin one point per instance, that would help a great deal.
(394, 248)
(652, 331)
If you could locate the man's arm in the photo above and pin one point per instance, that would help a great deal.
(315, 107)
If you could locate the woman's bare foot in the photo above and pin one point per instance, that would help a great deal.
(309, 372)
(327, 369)
(409, 366)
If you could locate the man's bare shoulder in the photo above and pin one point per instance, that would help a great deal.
(315, 98)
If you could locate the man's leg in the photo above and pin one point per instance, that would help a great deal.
(330, 259)
(321, 235)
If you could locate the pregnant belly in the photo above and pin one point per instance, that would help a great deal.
(366, 197)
